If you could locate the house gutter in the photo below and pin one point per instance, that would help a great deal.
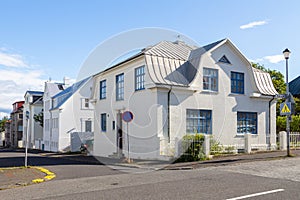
(269, 116)
(169, 113)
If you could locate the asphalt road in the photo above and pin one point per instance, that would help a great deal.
(276, 179)
(63, 168)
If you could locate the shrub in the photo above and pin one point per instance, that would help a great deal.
(192, 148)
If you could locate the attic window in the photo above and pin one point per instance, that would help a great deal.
(60, 87)
(224, 59)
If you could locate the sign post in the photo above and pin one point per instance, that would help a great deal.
(26, 140)
(127, 116)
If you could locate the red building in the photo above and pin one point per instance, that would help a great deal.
(16, 130)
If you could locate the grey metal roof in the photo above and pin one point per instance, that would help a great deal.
(63, 96)
(294, 86)
(168, 63)
(264, 82)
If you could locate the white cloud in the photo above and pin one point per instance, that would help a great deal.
(4, 114)
(12, 60)
(14, 84)
(274, 59)
(253, 24)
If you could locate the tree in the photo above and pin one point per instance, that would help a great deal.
(2, 123)
(39, 118)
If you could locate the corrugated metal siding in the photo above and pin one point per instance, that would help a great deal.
(264, 82)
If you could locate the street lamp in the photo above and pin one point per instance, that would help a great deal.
(286, 54)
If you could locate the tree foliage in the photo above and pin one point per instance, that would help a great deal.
(39, 118)
(2, 123)
(294, 125)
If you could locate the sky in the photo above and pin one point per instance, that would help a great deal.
(51, 39)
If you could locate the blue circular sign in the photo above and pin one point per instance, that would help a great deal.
(127, 116)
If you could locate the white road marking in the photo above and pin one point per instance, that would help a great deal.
(256, 194)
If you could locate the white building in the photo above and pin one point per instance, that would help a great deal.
(68, 111)
(174, 89)
(33, 105)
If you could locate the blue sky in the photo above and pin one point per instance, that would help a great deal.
(52, 38)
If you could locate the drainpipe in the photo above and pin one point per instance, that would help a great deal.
(269, 116)
(169, 113)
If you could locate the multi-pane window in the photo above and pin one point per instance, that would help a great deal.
(140, 78)
(103, 122)
(103, 89)
(198, 121)
(88, 126)
(120, 87)
(210, 79)
(237, 82)
(246, 122)
(86, 103)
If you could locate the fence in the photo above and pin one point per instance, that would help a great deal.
(295, 140)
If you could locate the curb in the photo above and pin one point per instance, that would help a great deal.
(49, 175)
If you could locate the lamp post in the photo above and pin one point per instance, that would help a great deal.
(286, 54)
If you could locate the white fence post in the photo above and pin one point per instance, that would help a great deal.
(282, 140)
(248, 142)
(206, 145)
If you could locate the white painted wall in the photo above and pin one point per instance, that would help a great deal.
(150, 108)
(71, 118)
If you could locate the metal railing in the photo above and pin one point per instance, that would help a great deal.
(295, 140)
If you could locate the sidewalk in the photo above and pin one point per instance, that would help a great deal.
(167, 165)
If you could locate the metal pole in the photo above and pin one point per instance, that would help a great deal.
(26, 143)
(288, 116)
(128, 144)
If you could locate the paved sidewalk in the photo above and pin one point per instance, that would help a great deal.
(167, 165)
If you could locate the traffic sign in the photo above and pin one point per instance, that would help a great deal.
(127, 116)
(285, 108)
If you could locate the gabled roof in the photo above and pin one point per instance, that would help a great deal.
(294, 86)
(64, 95)
(54, 88)
(38, 93)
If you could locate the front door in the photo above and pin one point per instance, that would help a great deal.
(119, 135)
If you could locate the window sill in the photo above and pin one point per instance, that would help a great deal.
(138, 90)
(236, 94)
(243, 134)
(209, 92)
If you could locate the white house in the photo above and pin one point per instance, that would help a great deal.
(33, 105)
(174, 89)
(69, 111)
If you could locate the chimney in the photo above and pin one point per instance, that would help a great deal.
(67, 81)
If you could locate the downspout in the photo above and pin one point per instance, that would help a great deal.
(169, 113)
(269, 116)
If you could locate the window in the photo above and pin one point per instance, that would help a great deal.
(237, 82)
(210, 79)
(88, 126)
(120, 87)
(246, 122)
(86, 103)
(198, 121)
(224, 59)
(103, 89)
(140, 78)
(103, 122)
(113, 125)
(47, 124)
